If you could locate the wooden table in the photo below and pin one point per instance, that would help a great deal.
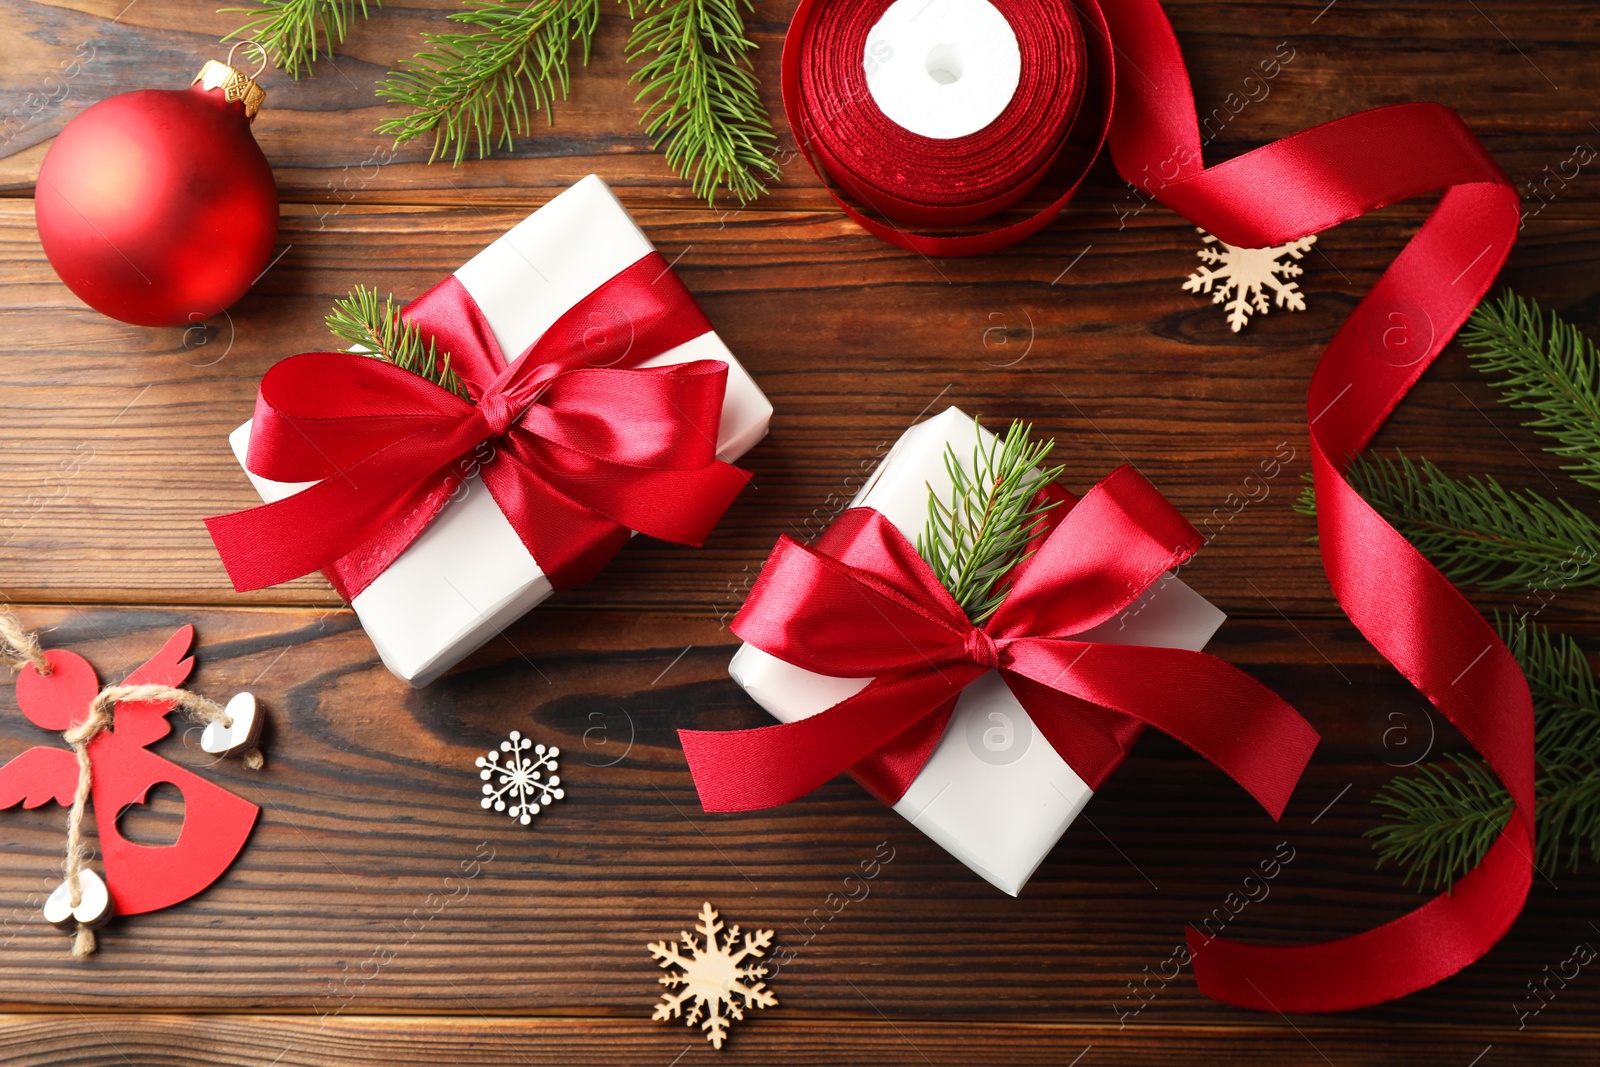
(326, 942)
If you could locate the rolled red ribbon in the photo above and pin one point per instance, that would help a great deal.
(1053, 127)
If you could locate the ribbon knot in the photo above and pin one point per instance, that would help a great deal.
(981, 649)
(607, 450)
(498, 411)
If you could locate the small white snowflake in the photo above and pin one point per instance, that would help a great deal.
(520, 778)
(712, 976)
(1246, 274)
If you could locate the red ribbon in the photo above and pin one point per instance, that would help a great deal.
(862, 603)
(1301, 185)
(1054, 125)
(1401, 603)
(585, 446)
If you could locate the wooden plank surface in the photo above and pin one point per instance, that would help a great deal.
(370, 809)
(327, 942)
(278, 1041)
(849, 338)
(1522, 74)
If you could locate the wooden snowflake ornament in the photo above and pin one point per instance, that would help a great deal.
(713, 977)
(520, 778)
(1245, 275)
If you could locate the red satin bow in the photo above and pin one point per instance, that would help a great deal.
(862, 603)
(585, 445)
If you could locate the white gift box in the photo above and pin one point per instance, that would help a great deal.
(994, 794)
(468, 575)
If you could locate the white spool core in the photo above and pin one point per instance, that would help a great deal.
(942, 68)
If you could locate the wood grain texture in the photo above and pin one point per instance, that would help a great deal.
(116, 436)
(359, 892)
(1531, 91)
(275, 1041)
(379, 915)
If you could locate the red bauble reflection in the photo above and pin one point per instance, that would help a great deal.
(157, 207)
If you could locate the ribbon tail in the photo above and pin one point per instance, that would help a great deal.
(1389, 961)
(397, 484)
(1249, 732)
(742, 770)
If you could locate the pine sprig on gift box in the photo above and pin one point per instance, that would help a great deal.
(1551, 370)
(1441, 820)
(481, 88)
(376, 328)
(973, 540)
(1477, 531)
(701, 85)
(289, 30)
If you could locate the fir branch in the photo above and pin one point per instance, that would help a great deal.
(1443, 818)
(1552, 371)
(1441, 821)
(973, 542)
(1566, 712)
(380, 331)
(1477, 531)
(1306, 503)
(464, 87)
(289, 29)
(705, 108)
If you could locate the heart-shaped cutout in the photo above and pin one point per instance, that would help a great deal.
(155, 820)
(241, 735)
(94, 907)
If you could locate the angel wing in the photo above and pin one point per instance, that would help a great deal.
(40, 774)
(142, 724)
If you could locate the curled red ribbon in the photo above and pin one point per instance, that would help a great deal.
(1409, 611)
(586, 445)
(861, 603)
(1422, 624)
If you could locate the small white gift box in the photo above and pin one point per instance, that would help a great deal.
(468, 575)
(994, 794)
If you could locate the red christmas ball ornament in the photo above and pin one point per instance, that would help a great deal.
(157, 207)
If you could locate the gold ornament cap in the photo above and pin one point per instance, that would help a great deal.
(235, 84)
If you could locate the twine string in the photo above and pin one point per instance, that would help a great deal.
(19, 647)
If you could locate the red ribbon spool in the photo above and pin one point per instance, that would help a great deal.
(1053, 127)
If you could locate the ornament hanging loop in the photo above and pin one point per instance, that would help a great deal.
(260, 49)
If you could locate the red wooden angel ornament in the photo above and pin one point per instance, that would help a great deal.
(109, 731)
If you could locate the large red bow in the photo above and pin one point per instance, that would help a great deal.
(862, 603)
(586, 446)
